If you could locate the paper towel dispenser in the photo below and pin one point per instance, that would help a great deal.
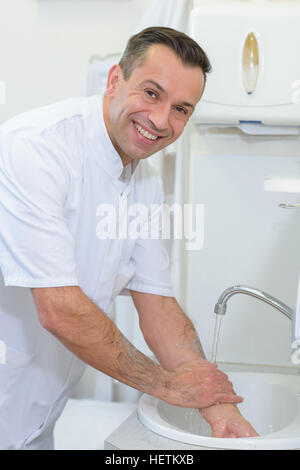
(254, 50)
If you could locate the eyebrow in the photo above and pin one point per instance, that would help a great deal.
(160, 88)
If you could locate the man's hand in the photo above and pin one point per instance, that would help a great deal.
(188, 379)
(197, 384)
(226, 421)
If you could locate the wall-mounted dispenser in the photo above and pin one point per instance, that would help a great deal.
(253, 46)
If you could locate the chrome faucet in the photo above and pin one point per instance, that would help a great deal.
(220, 307)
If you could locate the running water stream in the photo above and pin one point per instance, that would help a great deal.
(193, 420)
(216, 338)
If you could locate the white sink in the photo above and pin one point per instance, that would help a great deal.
(271, 404)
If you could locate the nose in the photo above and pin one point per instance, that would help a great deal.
(159, 116)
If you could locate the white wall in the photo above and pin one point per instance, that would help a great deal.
(45, 45)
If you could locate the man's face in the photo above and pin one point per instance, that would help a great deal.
(150, 110)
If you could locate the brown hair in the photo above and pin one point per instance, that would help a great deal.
(188, 50)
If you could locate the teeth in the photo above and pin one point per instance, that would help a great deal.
(145, 133)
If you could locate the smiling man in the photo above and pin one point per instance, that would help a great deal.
(59, 164)
(148, 111)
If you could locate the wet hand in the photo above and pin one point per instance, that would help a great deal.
(226, 421)
(198, 384)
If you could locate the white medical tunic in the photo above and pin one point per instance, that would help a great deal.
(57, 169)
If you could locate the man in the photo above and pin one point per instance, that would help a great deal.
(59, 164)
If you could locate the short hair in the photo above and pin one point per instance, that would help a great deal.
(184, 47)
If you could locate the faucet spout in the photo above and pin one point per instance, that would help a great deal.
(221, 305)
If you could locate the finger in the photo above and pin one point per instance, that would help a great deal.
(252, 433)
(217, 390)
(220, 431)
(206, 362)
(228, 398)
(224, 387)
(220, 376)
(218, 434)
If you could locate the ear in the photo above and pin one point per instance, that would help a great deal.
(114, 78)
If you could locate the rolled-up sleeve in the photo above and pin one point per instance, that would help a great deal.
(151, 263)
(150, 257)
(36, 246)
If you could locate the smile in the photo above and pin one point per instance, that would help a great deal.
(145, 133)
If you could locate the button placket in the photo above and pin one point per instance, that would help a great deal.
(112, 260)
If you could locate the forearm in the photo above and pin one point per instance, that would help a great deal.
(85, 330)
(171, 335)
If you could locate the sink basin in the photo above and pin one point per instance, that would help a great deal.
(271, 404)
